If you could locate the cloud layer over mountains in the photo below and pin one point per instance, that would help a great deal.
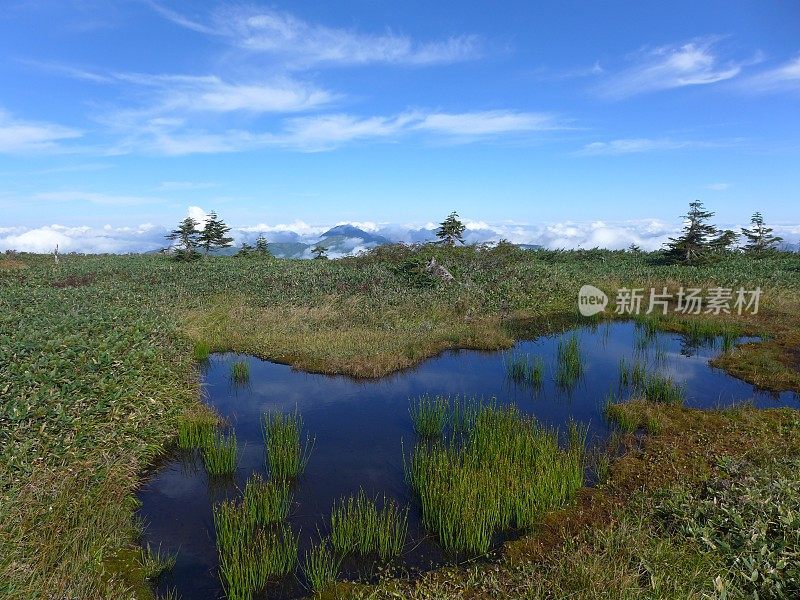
(296, 239)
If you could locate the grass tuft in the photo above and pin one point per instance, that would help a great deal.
(662, 389)
(240, 372)
(359, 526)
(525, 369)
(287, 456)
(266, 502)
(503, 471)
(321, 567)
(219, 454)
(155, 563)
(430, 415)
(196, 430)
(569, 366)
(201, 352)
(248, 554)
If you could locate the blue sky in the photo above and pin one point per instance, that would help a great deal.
(515, 114)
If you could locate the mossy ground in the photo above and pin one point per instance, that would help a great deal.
(96, 368)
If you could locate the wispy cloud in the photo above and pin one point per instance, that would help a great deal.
(673, 66)
(329, 131)
(301, 44)
(640, 145)
(718, 187)
(21, 137)
(785, 77)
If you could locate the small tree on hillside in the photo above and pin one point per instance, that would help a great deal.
(451, 230)
(695, 241)
(214, 234)
(262, 246)
(186, 236)
(725, 242)
(319, 252)
(245, 251)
(759, 237)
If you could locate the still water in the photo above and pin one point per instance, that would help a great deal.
(361, 429)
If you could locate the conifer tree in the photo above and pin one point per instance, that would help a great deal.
(759, 237)
(319, 252)
(451, 230)
(214, 234)
(186, 236)
(262, 246)
(695, 241)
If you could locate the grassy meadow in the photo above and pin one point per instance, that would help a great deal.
(98, 379)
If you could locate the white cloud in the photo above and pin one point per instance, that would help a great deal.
(786, 77)
(649, 234)
(118, 240)
(173, 137)
(300, 44)
(673, 66)
(639, 145)
(20, 137)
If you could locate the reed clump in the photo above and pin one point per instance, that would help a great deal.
(320, 567)
(615, 413)
(219, 453)
(662, 389)
(287, 454)
(359, 526)
(240, 372)
(569, 366)
(524, 368)
(429, 415)
(196, 430)
(266, 502)
(503, 471)
(249, 555)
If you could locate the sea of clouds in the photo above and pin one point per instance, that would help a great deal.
(648, 234)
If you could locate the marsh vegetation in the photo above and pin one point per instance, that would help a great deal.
(99, 372)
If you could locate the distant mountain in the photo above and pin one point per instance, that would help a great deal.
(351, 231)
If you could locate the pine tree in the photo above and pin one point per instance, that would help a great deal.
(725, 241)
(245, 251)
(451, 230)
(759, 236)
(186, 236)
(262, 246)
(319, 252)
(695, 241)
(214, 234)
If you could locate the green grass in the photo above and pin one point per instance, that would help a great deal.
(287, 454)
(525, 368)
(266, 502)
(219, 454)
(201, 351)
(662, 389)
(320, 567)
(359, 526)
(569, 366)
(615, 413)
(95, 377)
(155, 563)
(250, 555)
(504, 471)
(240, 372)
(429, 415)
(196, 430)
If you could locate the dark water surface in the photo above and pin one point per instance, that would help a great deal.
(361, 428)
